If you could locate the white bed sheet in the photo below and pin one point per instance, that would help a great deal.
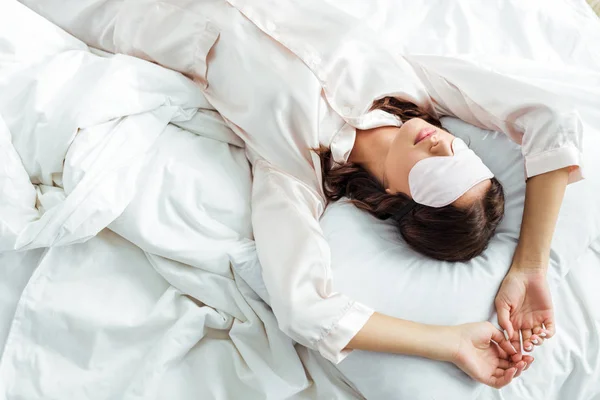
(382, 272)
(129, 294)
(112, 318)
(568, 366)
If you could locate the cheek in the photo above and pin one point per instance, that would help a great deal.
(413, 157)
(399, 167)
(397, 174)
(412, 127)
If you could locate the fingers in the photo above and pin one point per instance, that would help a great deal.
(508, 347)
(549, 327)
(536, 340)
(509, 350)
(505, 348)
(501, 353)
(540, 334)
(520, 367)
(534, 337)
(504, 318)
(527, 340)
(539, 331)
(497, 335)
(499, 372)
(505, 379)
(529, 360)
(507, 371)
(516, 357)
(515, 341)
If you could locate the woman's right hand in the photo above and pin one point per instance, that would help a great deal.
(479, 349)
(483, 360)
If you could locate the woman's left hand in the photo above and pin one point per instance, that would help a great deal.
(524, 303)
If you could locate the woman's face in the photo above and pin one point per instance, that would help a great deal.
(416, 140)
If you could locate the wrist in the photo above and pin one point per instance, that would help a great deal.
(443, 343)
(527, 263)
(528, 268)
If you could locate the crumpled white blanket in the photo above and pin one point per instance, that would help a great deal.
(155, 311)
(125, 205)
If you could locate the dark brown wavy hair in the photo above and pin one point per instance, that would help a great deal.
(447, 233)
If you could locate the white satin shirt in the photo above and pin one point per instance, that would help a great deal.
(290, 76)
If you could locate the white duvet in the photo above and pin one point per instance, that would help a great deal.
(149, 287)
(142, 194)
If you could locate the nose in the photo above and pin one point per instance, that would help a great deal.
(440, 146)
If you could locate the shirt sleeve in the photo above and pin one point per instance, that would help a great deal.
(176, 37)
(501, 98)
(295, 259)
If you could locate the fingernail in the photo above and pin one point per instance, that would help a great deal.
(543, 334)
(528, 347)
(535, 341)
(506, 335)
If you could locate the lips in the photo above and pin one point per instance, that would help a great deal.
(424, 134)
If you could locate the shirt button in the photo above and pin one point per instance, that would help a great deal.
(271, 26)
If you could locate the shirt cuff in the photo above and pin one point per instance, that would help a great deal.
(552, 160)
(333, 345)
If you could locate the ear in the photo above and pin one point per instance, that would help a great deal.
(388, 191)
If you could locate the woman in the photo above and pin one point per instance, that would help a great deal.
(295, 76)
(455, 232)
(287, 82)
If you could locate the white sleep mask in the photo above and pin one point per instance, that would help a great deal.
(439, 181)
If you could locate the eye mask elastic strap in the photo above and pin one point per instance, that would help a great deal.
(406, 208)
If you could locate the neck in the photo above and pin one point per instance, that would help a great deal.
(371, 148)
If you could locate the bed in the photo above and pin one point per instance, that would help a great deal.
(127, 265)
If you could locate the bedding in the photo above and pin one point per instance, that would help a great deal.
(385, 274)
(544, 122)
(573, 361)
(566, 367)
(149, 288)
(115, 144)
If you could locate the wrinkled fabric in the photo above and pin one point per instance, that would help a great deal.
(339, 64)
(58, 97)
(403, 78)
(124, 217)
(350, 68)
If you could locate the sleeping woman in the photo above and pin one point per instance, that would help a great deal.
(290, 79)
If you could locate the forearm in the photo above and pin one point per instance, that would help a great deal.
(387, 334)
(543, 198)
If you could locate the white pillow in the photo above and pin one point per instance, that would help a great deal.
(373, 265)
